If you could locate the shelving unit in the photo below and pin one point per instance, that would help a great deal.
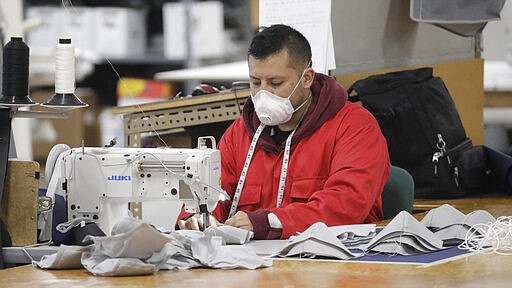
(103, 79)
(159, 117)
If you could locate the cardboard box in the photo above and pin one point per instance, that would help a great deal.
(19, 202)
(206, 30)
(47, 34)
(79, 26)
(107, 31)
(120, 32)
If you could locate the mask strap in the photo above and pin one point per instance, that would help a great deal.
(303, 103)
(297, 85)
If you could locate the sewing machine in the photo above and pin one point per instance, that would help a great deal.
(97, 183)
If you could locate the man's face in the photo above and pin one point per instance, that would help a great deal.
(273, 74)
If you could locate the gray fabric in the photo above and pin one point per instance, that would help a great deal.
(462, 17)
(442, 216)
(316, 241)
(136, 248)
(125, 225)
(230, 234)
(405, 235)
(140, 242)
(103, 265)
(181, 252)
(211, 253)
(66, 226)
(174, 257)
(355, 235)
(67, 257)
(449, 224)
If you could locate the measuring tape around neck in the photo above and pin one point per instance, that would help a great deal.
(284, 166)
(243, 175)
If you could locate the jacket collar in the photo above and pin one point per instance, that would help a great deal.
(328, 97)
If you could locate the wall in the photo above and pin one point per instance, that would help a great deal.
(497, 52)
(372, 35)
(497, 36)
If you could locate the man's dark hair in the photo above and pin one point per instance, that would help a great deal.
(273, 39)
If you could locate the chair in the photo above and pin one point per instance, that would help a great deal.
(398, 193)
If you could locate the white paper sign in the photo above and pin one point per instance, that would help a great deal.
(312, 18)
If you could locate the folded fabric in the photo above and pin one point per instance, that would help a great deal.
(139, 242)
(211, 253)
(360, 230)
(442, 216)
(67, 257)
(353, 236)
(451, 225)
(124, 225)
(174, 257)
(478, 217)
(137, 248)
(316, 241)
(405, 235)
(103, 265)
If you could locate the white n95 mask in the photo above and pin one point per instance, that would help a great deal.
(274, 110)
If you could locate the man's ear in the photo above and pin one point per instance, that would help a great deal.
(309, 75)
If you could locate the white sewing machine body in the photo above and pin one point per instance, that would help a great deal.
(98, 183)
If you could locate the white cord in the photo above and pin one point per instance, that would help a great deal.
(495, 237)
(24, 248)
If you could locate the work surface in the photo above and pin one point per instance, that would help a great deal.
(475, 270)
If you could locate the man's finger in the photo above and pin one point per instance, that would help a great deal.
(214, 222)
(231, 222)
(196, 223)
(182, 224)
(193, 223)
(240, 220)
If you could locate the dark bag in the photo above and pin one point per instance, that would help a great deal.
(499, 171)
(424, 132)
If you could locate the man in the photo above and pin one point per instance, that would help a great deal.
(300, 153)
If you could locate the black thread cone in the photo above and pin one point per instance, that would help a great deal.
(15, 73)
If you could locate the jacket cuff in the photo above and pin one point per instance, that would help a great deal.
(261, 227)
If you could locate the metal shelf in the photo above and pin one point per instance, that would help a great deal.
(164, 116)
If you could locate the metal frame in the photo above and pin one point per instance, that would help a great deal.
(161, 117)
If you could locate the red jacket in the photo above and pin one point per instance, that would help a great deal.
(338, 166)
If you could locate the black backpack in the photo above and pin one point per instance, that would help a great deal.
(424, 132)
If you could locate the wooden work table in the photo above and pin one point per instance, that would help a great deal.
(478, 270)
(497, 206)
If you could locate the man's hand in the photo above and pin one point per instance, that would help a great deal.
(196, 222)
(240, 220)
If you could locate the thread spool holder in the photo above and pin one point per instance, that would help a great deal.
(15, 113)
